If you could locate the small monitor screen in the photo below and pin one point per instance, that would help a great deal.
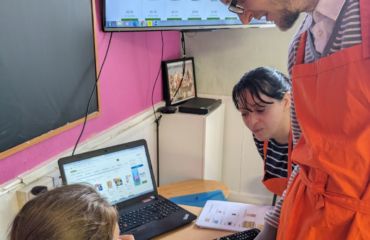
(117, 176)
(136, 15)
(180, 79)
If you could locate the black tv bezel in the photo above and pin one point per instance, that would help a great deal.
(167, 28)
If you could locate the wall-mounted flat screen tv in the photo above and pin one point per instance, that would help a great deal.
(147, 15)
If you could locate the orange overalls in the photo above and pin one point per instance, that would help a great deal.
(330, 197)
(278, 185)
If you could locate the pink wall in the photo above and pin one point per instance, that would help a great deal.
(125, 89)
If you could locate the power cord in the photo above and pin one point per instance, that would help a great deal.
(183, 46)
(157, 119)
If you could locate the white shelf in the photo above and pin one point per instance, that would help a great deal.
(191, 146)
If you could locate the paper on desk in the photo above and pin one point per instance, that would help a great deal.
(231, 216)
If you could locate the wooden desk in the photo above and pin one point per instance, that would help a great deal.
(191, 231)
(192, 186)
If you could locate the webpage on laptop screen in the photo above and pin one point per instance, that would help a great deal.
(117, 176)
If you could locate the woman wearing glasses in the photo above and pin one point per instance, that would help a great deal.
(262, 96)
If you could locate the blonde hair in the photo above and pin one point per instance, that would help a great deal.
(75, 212)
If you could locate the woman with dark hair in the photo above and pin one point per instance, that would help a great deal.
(262, 96)
(75, 212)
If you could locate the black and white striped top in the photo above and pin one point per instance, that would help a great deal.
(346, 33)
(276, 163)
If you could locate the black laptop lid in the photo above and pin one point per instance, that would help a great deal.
(122, 174)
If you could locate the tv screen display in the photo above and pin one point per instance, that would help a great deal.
(146, 15)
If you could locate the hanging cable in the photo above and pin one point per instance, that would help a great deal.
(183, 44)
(183, 65)
(157, 77)
(157, 119)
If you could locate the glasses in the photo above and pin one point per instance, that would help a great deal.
(235, 7)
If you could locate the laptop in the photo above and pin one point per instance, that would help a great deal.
(123, 174)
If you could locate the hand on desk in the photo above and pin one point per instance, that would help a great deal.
(126, 237)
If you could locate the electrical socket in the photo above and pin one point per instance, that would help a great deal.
(24, 194)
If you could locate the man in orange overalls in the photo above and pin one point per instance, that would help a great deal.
(329, 62)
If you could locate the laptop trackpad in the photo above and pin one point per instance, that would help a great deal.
(139, 229)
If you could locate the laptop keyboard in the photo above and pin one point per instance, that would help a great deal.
(245, 235)
(157, 210)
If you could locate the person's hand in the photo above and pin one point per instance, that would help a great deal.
(126, 237)
(268, 233)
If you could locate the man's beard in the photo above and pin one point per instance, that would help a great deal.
(287, 20)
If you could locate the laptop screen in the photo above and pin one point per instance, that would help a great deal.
(117, 176)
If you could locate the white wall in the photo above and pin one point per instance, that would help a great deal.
(222, 57)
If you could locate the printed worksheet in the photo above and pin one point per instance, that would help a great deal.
(232, 216)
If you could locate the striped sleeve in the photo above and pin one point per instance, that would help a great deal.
(272, 217)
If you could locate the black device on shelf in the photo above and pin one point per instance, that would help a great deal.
(167, 109)
(245, 235)
(200, 106)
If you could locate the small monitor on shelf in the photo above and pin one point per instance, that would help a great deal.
(179, 88)
(178, 80)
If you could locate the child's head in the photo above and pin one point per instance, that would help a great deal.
(263, 97)
(75, 212)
